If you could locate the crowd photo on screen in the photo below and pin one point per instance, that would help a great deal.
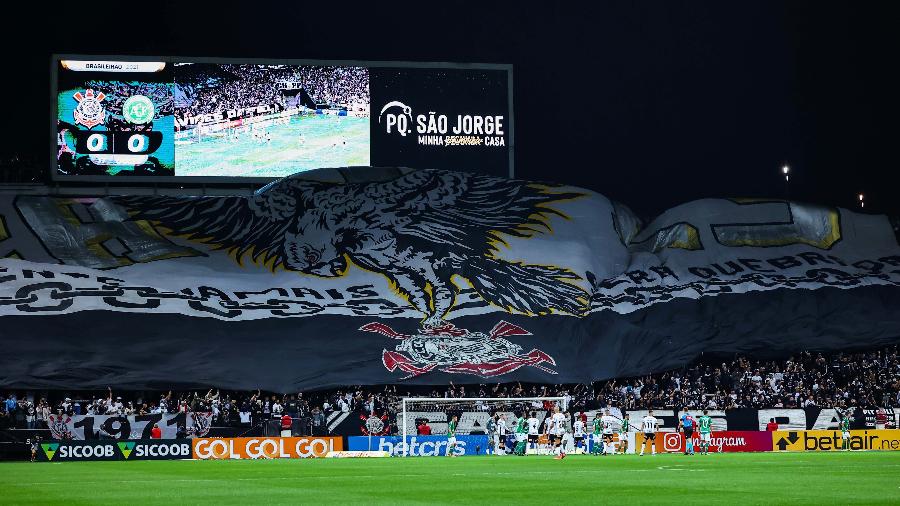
(869, 379)
(208, 89)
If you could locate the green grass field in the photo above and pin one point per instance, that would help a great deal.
(737, 478)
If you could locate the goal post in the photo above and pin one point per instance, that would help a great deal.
(473, 413)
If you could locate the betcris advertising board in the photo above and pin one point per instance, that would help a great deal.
(419, 446)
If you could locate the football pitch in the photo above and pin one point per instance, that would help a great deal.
(737, 478)
(305, 143)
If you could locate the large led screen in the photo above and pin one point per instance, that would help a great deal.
(180, 118)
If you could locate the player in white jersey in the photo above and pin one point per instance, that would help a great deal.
(608, 422)
(500, 442)
(548, 430)
(559, 429)
(533, 428)
(578, 430)
(649, 424)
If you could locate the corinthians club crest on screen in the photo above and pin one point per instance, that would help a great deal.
(89, 112)
(454, 350)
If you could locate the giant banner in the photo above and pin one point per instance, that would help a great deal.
(88, 427)
(388, 275)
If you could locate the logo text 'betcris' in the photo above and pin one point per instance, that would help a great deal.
(420, 446)
(421, 449)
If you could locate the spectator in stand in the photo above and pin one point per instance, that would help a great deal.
(291, 407)
(30, 416)
(318, 422)
(244, 416)
(11, 404)
(277, 409)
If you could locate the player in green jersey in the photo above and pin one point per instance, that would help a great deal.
(704, 424)
(451, 437)
(597, 435)
(845, 431)
(521, 434)
(623, 434)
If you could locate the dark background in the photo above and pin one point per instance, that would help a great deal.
(650, 103)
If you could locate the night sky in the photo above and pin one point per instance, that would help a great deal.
(649, 103)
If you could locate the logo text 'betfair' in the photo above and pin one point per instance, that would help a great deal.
(423, 449)
(834, 442)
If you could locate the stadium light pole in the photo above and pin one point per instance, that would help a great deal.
(862, 200)
(786, 170)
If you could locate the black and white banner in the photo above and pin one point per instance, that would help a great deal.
(424, 277)
(89, 427)
(742, 419)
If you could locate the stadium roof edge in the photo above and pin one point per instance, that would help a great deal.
(94, 191)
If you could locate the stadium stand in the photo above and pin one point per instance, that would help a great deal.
(867, 379)
(240, 86)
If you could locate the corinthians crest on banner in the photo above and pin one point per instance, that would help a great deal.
(455, 350)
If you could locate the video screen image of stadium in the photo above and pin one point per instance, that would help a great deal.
(230, 120)
(269, 120)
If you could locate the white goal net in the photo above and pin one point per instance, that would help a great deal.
(429, 415)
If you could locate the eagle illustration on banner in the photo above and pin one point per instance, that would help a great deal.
(418, 230)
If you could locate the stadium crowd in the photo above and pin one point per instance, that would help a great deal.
(866, 379)
(254, 85)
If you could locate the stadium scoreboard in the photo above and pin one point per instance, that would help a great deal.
(157, 119)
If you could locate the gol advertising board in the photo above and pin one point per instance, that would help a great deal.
(133, 449)
(420, 446)
(144, 119)
(265, 448)
(831, 440)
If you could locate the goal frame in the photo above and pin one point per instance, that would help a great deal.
(406, 401)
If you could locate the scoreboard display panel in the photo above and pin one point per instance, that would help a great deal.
(190, 119)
